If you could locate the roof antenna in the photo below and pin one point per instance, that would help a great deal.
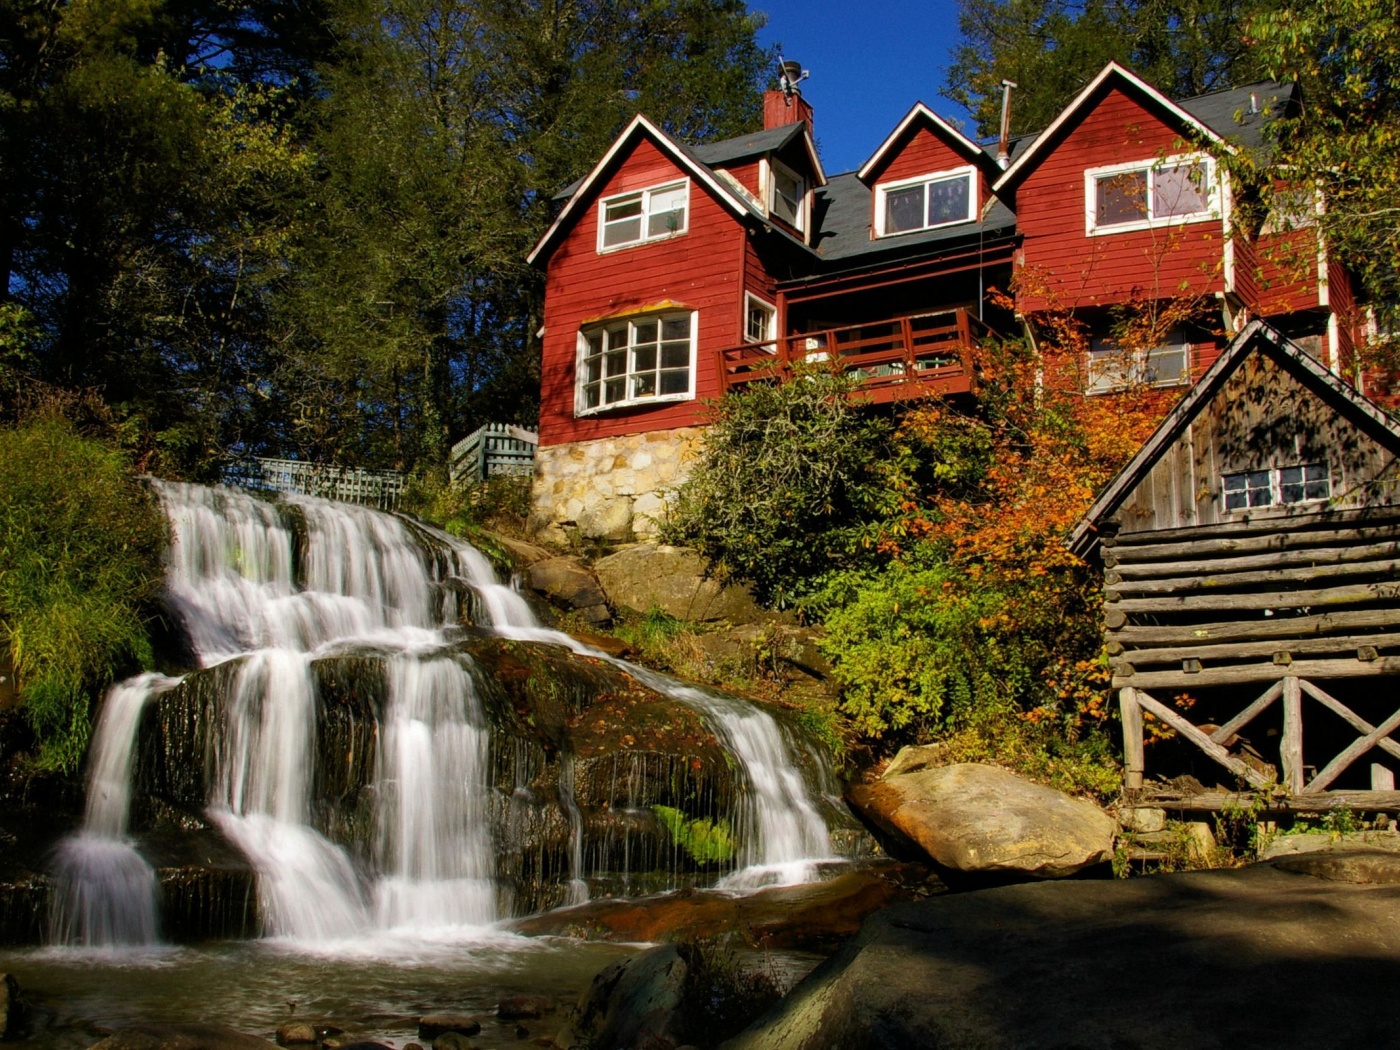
(790, 74)
(1004, 143)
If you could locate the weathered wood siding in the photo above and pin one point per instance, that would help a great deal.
(702, 269)
(1070, 269)
(1263, 418)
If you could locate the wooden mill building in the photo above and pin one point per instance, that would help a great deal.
(1250, 555)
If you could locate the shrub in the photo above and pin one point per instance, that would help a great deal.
(789, 481)
(80, 547)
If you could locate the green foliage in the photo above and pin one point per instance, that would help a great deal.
(790, 480)
(707, 841)
(80, 546)
(500, 503)
(1052, 48)
(722, 996)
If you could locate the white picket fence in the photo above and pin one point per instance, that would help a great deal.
(371, 488)
(496, 448)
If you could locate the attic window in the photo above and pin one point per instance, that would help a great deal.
(1277, 486)
(928, 202)
(787, 195)
(1143, 194)
(645, 215)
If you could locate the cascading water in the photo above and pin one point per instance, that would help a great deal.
(277, 587)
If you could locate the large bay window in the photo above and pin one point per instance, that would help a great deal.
(645, 215)
(637, 361)
(925, 203)
(1143, 194)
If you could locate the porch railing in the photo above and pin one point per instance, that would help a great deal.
(902, 357)
(895, 358)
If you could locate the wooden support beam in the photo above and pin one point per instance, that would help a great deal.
(1273, 805)
(1258, 628)
(1249, 714)
(1382, 779)
(1197, 562)
(1338, 765)
(1133, 757)
(1205, 743)
(1342, 643)
(1261, 672)
(1347, 715)
(1216, 583)
(1291, 747)
(1347, 594)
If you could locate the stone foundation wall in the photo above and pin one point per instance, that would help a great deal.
(610, 488)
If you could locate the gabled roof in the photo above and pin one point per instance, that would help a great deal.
(1115, 75)
(635, 132)
(1259, 337)
(921, 114)
(770, 140)
(1240, 114)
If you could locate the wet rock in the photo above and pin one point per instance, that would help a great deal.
(633, 1002)
(672, 579)
(352, 1042)
(606, 643)
(980, 819)
(523, 553)
(521, 1032)
(813, 917)
(453, 1041)
(524, 1007)
(14, 1011)
(1061, 965)
(180, 1037)
(566, 582)
(297, 1033)
(430, 1026)
(914, 757)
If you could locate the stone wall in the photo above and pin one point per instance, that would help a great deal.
(609, 488)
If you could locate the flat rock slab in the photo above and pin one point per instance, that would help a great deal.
(181, 1037)
(1234, 960)
(674, 580)
(813, 917)
(981, 819)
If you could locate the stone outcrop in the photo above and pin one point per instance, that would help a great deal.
(980, 819)
(14, 1011)
(181, 1037)
(609, 488)
(568, 584)
(673, 580)
(634, 1002)
(1246, 958)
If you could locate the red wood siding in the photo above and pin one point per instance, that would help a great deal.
(1067, 267)
(756, 277)
(1285, 274)
(747, 174)
(702, 269)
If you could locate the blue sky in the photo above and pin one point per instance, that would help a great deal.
(870, 61)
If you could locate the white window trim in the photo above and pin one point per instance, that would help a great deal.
(771, 341)
(646, 216)
(1091, 201)
(882, 189)
(632, 402)
(1275, 488)
(769, 185)
(1137, 368)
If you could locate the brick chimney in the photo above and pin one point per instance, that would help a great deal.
(780, 108)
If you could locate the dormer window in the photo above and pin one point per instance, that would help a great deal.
(646, 215)
(787, 195)
(1144, 194)
(928, 202)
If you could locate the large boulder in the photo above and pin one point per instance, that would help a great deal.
(672, 579)
(1246, 958)
(634, 1002)
(14, 1011)
(568, 584)
(981, 819)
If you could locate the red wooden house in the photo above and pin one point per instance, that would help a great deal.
(676, 273)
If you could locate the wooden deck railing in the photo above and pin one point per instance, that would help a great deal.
(380, 489)
(898, 358)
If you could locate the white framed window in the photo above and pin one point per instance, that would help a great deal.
(1276, 486)
(787, 195)
(943, 198)
(637, 360)
(760, 320)
(1112, 368)
(1144, 194)
(652, 214)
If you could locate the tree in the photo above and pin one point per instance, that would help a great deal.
(1052, 48)
(1346, 56)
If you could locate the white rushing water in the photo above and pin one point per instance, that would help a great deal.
(251, 585)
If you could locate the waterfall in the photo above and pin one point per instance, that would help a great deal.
(269, 588)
